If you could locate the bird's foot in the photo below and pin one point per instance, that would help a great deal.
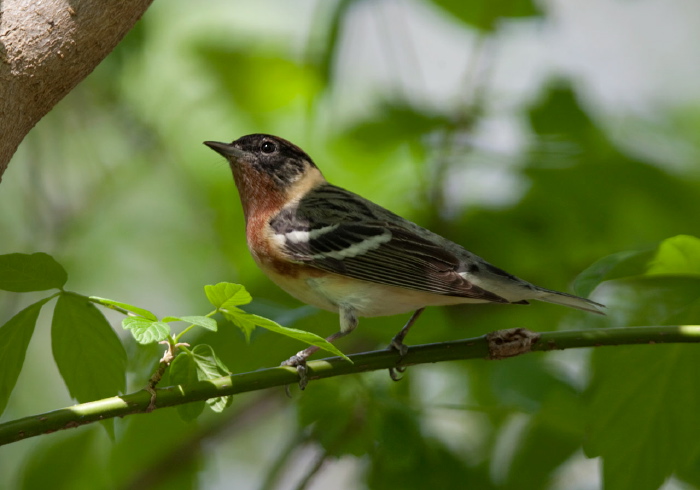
(398, 345)
(298, 361)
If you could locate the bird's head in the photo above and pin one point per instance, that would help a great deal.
(268, 170)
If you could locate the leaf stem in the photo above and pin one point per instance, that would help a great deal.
(106, 305)
(191, 326)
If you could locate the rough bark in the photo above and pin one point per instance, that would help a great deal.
(46, 48)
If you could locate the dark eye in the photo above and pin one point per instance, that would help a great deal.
(268, 147)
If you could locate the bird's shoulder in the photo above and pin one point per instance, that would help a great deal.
(329, 204)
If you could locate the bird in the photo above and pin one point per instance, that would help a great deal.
(333, 249)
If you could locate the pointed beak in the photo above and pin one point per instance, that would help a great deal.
(225, 149)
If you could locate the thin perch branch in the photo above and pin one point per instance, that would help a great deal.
(475, 348)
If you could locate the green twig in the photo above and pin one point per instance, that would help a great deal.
(475, 348)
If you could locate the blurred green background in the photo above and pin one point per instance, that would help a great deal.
(541, 136)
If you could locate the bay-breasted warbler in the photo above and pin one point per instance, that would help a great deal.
(333, 249)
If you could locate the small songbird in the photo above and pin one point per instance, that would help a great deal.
(333, 249)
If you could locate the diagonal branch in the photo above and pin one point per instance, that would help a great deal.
(496, 345)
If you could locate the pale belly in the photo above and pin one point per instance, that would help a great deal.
(366, 298)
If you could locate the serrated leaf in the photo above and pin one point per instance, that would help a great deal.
(146, 331)
(306, 337)
(227, 294)
(183, 371)
(642, 411)
(14, 340)
(241, 319)
(87, 351)
(201, 321)
(22, 273)
(125, 306)
(209, 366)
(677, 255)
(201, 364)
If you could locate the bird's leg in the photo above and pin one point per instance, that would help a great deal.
(298, 360)
(397, 343)
(348, 322)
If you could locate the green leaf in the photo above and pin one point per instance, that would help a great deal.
(426, 461)
(485, 15)
(226, 295)
(125, 306)
(14, 340)
(677, 255)
(201, 321)
(557, 426)
(396, 123)
(200, 364)
(87, 351)
(559, 115)
(653, 300)
(209, 366)
(306, 337)
(642, 411)
(251, 79)
(241, 319)
(22, 273)
(183, 371)
(642, 402)
(146, 331)
(621, 264)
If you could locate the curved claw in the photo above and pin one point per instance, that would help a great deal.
(303, 377)
(395, 373)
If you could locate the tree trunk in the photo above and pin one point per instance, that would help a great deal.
(46, 48)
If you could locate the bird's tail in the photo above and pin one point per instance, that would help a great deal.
(570, 300)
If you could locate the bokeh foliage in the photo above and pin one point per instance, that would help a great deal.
(116, 185)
